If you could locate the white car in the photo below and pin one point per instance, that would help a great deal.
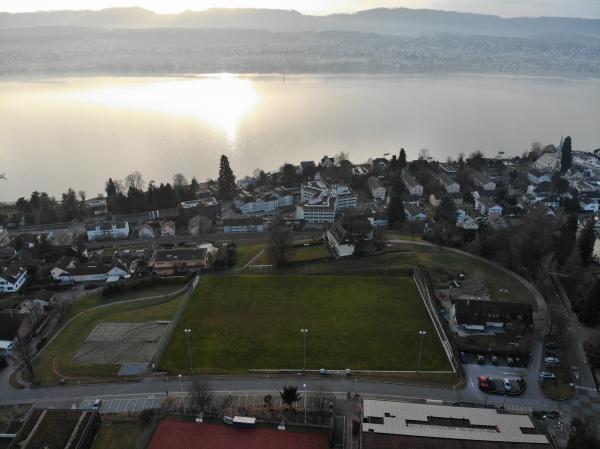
(507, 385)
(551, 361)
(546, 375)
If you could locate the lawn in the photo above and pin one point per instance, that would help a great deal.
(245, 253)
(254, 322)
(120, 435)
(70, 339)
(313, 252)
(441, 264)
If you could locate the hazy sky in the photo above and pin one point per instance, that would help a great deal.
(578, 8)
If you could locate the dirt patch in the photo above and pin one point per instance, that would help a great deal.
(118, 343)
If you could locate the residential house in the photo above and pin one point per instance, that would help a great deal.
(483, 181)
(167, 229)
(414, 213)
(12, 278)
(339, 240)
(243, 224)
(465, 221)
(13, 325)
(350, 233)
(149, 230)
(90, 273)
(107, 231)
(547, 162)
(536, 176)
(360, 170)
(378, 216)
(411, 184)
(474, 314)
(448, 184)
(4, 237)
(589, 204)
(97, 205)
(327, 161)
(376, 188)
(169, 262)
(486, 205)
(497, 221)
(449, 169)
(307, 166)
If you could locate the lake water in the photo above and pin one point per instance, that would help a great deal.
(78, 132)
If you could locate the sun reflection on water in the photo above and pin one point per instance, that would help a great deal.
(222, 101)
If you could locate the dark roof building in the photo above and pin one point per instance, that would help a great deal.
(473, 312)
(402, 425)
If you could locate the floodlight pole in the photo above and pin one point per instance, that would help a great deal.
(306, 245)
(422, 334)
(188, 333)
(305, 402)
(304, 333)
(387, 258)
(180, 384)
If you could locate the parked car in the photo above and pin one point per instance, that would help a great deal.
(480, 359)
(96, 405)
(507, 384)
(551, 361)
(484, 383)
(546, 375)
(510, 361)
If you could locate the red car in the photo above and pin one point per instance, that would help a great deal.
(484, 383)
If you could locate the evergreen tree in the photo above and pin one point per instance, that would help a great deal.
(402, 159)
(111, 195)
(586, 242)
(226, 179)
(446, 211)
(566, 159)
(396, 212)
(566, 239)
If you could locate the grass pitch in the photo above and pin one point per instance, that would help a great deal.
(253, 322)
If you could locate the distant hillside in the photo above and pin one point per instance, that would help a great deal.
(398, 21)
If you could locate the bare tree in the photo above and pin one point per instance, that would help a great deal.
(23, 353)
(281, 239)
(201, 395)
(179, 180)
(135, 180)
(82, 195)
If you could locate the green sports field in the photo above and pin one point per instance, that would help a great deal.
(253, 322)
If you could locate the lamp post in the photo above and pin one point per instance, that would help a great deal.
(305, 402)
(304, 334)
(306, 245)
(387, 257)
(422, 333)
(188, 333)
(226, 257)
(180, 384)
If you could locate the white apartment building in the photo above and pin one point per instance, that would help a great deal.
(376, 188)
(107, 230)
(267, 202)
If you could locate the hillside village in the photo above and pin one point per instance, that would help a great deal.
(536, 215)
